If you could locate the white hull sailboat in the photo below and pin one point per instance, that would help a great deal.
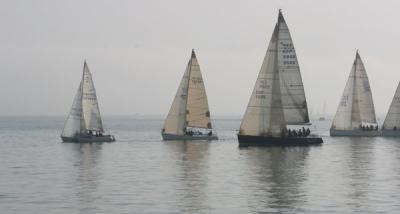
(355, 115)
(391, 125)
(189, 116)
(84, 122)
(278, 98)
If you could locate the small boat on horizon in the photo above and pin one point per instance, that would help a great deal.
(278, 98)
(391, 125)
(189, 116)
(355, 116)
(84, 123)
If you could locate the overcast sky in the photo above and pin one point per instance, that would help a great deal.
(137, 51)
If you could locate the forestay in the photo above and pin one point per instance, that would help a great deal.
(91, 112)
(356, 106)
(393, 116)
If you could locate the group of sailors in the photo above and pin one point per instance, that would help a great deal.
(94, 133)
(191, 133)
(299, 133)
(369, 128)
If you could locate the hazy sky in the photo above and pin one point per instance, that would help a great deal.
(137, 51)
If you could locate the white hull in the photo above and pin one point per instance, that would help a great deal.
(167, 136)
(354, 133)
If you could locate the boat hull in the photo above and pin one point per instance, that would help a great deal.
(167, 136)
(89, 139)
(390, 133)
(354, 133)
(248, 140)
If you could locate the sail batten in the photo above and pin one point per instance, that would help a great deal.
(356, 107)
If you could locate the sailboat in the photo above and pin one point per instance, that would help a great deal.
(189, 115)
(84, 123)
(391, 125)
(278, 98)
(355, 115)
(322, 116)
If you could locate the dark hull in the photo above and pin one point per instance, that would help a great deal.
(247, 140)
(167, 136)
(89, 139)
(390, 133)
(354, 133)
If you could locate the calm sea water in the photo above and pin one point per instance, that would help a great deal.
(141, 174)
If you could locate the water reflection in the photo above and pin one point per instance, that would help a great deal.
(278, 174)
(192, 162)
(86, 157)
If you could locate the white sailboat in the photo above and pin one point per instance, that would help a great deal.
(278, 98)
(391, 125)
(189, 116)
(84, 122)
(355, 115)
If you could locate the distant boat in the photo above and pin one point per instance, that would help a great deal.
(278, 98)
(189, 116)
(391, 125)
(84, 123)
(322, 116)
(355, 115)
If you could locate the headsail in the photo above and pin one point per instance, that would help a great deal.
(264, 114)
(292, 89)
(198, 113)
(176, 119)
(73, 124)
(91, 112)
(393, 116)
(356, 106)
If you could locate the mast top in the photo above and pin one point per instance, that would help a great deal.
(193, 53)
(280, 16)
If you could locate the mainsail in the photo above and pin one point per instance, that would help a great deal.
(91, 112)
(356, 106)
(190, 105)
(393, 116)
(292, 89)
(278, 96)
(85, 113)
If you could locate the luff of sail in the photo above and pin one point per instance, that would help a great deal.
(264, 114)
(292, 89)
(73, 124)
(392, 118)
(90, 107)
(356, 106)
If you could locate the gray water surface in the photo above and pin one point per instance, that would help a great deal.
(142, 174)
